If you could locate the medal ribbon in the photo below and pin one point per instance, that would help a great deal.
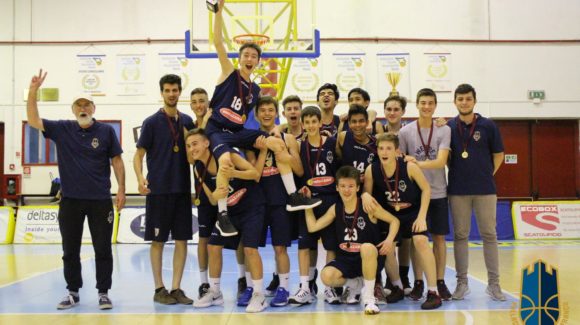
(174, 134)
(319, 150)
(427, 146)
(350, 229)
(464, 141)
(241, 93)
(396, 180)
(198, 188)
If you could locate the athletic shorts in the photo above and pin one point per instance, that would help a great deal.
(249, 225)
(168, 214)
(349, 265)
(206, 216)
(438, 216)
(222, 140)
(405, 228)
(310, 240)
(278, 220)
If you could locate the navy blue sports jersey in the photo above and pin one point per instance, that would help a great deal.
(351, 233)
(271, 181)
(231, 100)
(332, 127)
(409, 194)
(243, 195)
(358, 155)
(198, 172)
(319, 174)
(298, 137)
(84, 157)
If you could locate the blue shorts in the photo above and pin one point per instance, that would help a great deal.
(278, 220)
(309, 240)
(249, 225)
(438, 216)
(349, 265)
(168, 213)
(405, 228)
(206, 216)
(222, 140)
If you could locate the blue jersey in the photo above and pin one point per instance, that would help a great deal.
(271, 181)
(360, 156)
(332, 127)
(407, 195)
(351, 233)
(319, 170)
(243, 195)
(232, 101)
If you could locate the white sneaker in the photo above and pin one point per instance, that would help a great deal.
(257, 303)
(351, 295)
(211, 298)
(301, 297)
(330, 296)
(371, 307)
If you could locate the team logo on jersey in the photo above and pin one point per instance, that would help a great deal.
(370, 158)
(360, 223)
(231, 115)
(402, 185)
(329, 157)
(476, 136)
(321, 181)
(350, 247)
(95, 143)
(402, 205)
(233, 199)
(269, 171)
(269, 159)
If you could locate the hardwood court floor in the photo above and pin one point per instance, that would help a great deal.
(31, 284)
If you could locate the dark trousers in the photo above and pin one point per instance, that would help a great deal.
(71, 217)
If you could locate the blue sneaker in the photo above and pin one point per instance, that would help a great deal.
(281, 298)
(245, 298)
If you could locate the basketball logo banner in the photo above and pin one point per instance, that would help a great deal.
(540, 299)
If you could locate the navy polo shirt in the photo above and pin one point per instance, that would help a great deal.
(168, 171)
(473, 175)
(83, 157)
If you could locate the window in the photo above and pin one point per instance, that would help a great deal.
(38, 150)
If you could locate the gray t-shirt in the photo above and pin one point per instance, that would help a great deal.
(410, 144)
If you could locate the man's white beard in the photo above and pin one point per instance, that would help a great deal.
(85, 121)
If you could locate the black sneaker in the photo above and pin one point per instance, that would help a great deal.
(202, 290)
(433, 301)
(242, 285)
(273, 286)
(389, 286)
(297, 201)
(443, 290)
(104, 302)
(224, 225)
(417, 292)
(68, 301)
(312, 284)
(396, 295)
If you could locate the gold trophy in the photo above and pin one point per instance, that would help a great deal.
(393, 78)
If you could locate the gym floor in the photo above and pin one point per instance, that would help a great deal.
(32, 283)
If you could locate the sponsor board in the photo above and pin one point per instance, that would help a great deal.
(132, 226)
(39, 224)
(546, 219)
(6, 225)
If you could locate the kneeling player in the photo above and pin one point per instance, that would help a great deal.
(357, 234)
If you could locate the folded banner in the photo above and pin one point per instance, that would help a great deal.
(132, 226)
(6, 225)
(546, 219)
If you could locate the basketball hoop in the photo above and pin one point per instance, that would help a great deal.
(259, 39)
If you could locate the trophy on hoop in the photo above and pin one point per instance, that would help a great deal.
(212, 5)
(393, 78)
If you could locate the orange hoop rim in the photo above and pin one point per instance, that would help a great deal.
(259, 39)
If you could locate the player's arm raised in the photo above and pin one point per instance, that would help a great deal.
(218, 42)
(314, 224)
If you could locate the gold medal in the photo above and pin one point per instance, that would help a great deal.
(397, 207)
(197, 201)
(464, 155)
(176, 148)
(310, 182)
(244, 118)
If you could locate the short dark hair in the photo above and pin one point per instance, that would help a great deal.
(311, 111)
(402, 100)
(290, 99)
(426, 92)
(253, 46)
(198, 91)
(464, 89)
(348, 171)
(170, 79)
(356, 109)
(365, 95)
(330, 86)
(265, 100)
(388, 137)
(196, 131)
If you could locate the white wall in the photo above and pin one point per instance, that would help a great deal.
(501, 72)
